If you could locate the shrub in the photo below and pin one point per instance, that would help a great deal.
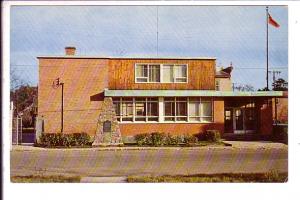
(152, 139)
(212, 136)
(189, 139)
(160, 139)
(64, 140)
(141, 139)
(172, 140)
(81, 139)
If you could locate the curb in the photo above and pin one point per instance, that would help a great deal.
(121, 148)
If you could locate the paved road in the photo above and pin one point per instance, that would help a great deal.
(93, 162)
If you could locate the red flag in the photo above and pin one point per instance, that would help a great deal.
(273, 22)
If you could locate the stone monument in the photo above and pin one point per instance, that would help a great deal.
(108, 131)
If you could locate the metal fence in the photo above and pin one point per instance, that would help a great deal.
(17, 130)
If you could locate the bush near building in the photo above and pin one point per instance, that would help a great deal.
(64, 140)
(162, 139)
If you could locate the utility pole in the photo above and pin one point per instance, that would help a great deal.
(156, 31)
(62, 107)
(275, 72)
(55, 85)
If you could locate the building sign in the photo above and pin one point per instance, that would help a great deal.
(107, 126)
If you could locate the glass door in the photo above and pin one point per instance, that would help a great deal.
(228, 120)
(238, 121)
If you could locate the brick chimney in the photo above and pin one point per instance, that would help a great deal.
(70, 51)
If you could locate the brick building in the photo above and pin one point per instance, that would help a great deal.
(128, 96)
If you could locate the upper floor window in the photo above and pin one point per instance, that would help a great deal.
(218, 85)
(161, 73)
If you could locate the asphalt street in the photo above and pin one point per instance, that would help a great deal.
(177, 161)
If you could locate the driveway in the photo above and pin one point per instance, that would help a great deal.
(257, 145)
(124, 162)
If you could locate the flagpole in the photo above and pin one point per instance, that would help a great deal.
(267, 16)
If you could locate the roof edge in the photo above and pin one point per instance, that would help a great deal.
(129, 58)
(212, 93)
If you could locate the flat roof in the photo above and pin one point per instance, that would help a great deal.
(189, 93)
(142, 58)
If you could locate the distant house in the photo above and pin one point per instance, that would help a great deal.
(131, 95)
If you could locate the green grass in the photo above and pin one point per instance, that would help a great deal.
(45, 179)
(269, 177)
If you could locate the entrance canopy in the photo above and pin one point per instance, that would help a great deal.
(189, 93)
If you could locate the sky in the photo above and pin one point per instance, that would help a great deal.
(234, 34)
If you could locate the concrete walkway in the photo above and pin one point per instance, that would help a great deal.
(257, 145)
(234, 144)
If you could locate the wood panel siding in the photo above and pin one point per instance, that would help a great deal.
(201, 75)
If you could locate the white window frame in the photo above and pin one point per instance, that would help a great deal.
(135, 73)
(175, 110)
(161, 111)
(199, 114)
(161, 73)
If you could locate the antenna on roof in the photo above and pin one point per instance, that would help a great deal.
(156, 31)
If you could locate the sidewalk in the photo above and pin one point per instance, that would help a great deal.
(257, 145)
(234, 145)
(112, 148)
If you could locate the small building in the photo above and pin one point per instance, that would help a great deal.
(129, 96)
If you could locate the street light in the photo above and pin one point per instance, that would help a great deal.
(55, 85)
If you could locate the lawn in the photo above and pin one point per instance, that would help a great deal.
(45, 179)
(269, 177)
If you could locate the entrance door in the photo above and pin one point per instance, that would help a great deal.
(228, 120)
(238, 120)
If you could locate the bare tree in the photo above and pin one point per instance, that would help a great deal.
(15, 80)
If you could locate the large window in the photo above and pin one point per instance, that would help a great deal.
(174, 109)
(161, 73)
(136, 109)
(200, 109)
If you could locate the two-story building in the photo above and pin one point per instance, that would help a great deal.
(128, 96)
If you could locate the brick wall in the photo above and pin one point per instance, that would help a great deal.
(84, 81)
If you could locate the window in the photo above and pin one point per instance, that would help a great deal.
(154, 73)
(180, 73)
(218, 85)
(141, 73)
(127, 109)
(169, 109)
(200, 109)
(140, 109)
(136, 109)
(167, 73)
(164, 73)
(175, 109)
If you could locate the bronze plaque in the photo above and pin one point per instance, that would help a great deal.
(107, 126)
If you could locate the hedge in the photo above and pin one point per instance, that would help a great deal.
(64, 140)
(161, 139)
